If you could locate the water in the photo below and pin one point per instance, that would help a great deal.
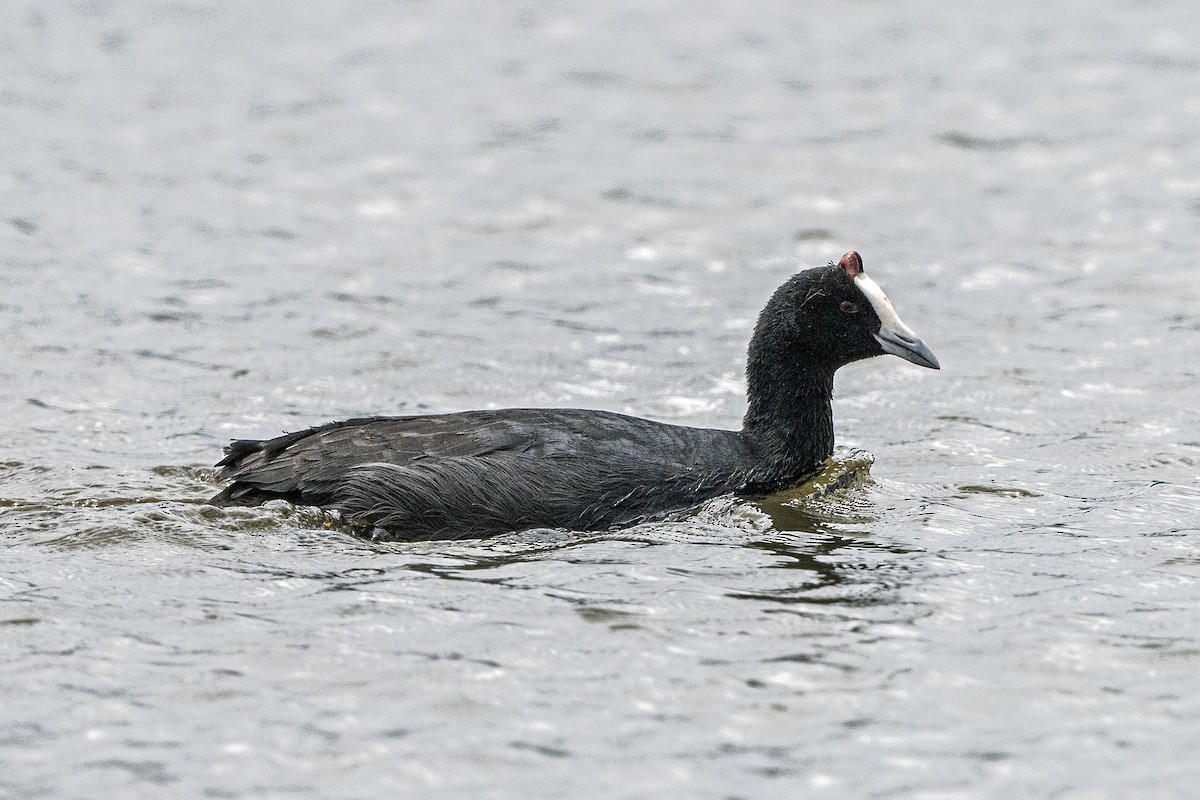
(229, 221)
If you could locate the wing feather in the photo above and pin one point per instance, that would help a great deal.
(483, 472)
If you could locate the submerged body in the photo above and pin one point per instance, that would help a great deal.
(479, 473)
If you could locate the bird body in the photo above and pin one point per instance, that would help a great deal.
(476, 473)
(479, 473)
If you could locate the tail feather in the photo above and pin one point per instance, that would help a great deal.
(239, 493)
(238, 449)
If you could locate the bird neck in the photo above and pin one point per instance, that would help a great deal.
(789, 421)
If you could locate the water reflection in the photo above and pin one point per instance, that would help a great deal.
(835, 570)
(804, 508)
(823, 536)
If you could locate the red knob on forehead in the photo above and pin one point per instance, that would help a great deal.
(851, 264)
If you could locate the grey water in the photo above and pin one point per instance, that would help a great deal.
(223, 220)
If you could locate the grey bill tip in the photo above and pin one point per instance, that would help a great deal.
(910, 348)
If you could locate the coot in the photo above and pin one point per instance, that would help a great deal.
(479, 473)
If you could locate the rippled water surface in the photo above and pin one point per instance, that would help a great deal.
(229, 220)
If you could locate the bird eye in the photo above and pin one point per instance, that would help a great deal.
(848, 307)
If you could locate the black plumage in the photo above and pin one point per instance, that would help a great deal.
(479, 473)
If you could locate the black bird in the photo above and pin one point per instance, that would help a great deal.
(478, 473)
